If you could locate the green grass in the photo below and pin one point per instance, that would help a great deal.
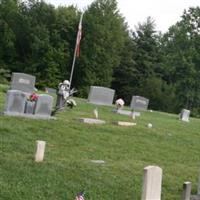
(171, 144)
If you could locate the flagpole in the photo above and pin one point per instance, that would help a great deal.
(75, 51)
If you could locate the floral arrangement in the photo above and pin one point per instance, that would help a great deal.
(119, 103)
(33, 97)
(71, 103)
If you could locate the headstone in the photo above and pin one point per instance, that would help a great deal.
(152, 181)
(30, 107)
(23, 82)
(92, 121)
(44, 105)
(186, 191)
(40, 148)
(198, 187)
(129, 113)
(124, 112)
(122, 123)
(15, 102)
(101, 95)
(195, 197)
(98, 161)
(50, 90)
(139, 103)
(185, 114)
(96, 113)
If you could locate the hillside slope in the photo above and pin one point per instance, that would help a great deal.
(67, 168)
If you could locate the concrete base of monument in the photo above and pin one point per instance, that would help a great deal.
(122, 123)
(91, 121)
(31, 116)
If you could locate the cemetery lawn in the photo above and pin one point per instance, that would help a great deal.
(67, 168)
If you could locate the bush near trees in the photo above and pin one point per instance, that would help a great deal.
(39, 39)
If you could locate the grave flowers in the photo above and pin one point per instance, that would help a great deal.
(119, 103)
(71, 103)
(33, 97)
(30, 103)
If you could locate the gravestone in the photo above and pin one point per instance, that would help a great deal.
(122, 123)
(152, 181)
(30, 107)
(98, 161)
(50, 90)
(23, 82)
(15, 102)
(186, 191)
(44, 105)
(139, 103)
(198, 187)
(129, 113)
(91, 121)
(184, 115)
(40, 148)
(101, 95)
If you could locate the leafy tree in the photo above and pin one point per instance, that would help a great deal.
(125, 76)
(101, 45)
(182, 59)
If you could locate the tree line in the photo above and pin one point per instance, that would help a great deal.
(39, 39)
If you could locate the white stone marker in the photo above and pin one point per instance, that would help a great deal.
(92, 121)
(121, 123)
(152, 181)
(96, 113)
(198, 187)
(185, 114)
(40, 148)
(98, 161)
(186, 190)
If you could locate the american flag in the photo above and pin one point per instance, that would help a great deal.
(80, 196)
(78, 39)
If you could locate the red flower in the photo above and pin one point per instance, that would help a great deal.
(33, 97)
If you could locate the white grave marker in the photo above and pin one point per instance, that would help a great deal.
(152, 181)
(40, 148)
(186, 190)
(198, 187)
(185, 114)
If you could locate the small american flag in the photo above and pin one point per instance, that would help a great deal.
(80, 196)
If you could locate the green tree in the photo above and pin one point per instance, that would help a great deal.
(102, 42)
(181, 47)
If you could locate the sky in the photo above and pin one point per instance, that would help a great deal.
(164, 12)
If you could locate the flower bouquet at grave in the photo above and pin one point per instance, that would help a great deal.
(71, 103)
(33, 97)
(119, 103)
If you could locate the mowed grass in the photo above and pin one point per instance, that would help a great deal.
(67, 168)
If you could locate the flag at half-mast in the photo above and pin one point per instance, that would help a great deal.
(78, 39)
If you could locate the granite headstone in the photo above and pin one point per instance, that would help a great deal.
(15, 102)
(23, 82)
(50, 90)
(185, 114)
(44, 105)
(101, 95)
(139, 103)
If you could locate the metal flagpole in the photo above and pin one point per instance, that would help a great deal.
(76, 47)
